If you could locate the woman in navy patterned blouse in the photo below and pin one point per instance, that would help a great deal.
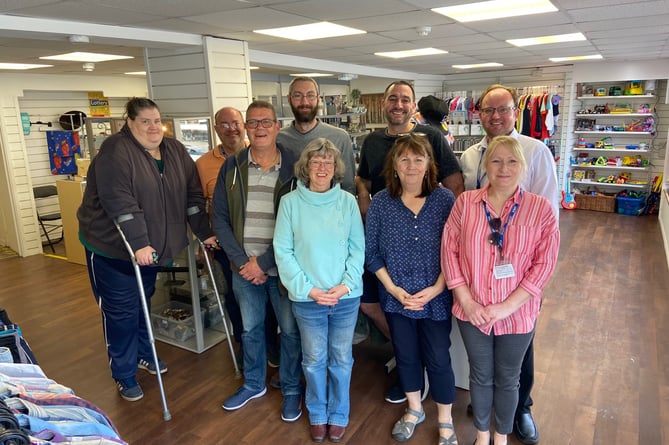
(403, 238)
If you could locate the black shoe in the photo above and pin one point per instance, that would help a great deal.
(394, 394)
(470, 410)
(525, 429)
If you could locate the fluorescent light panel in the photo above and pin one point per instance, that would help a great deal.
(22, 66)
(566, 59)
(411, 53)
(558, 38)
(310, 75)
(321, 30)
(495, 9)
(477, 65)
(136, 73)
(86, 57)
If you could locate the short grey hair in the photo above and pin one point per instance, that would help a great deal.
(319, 147)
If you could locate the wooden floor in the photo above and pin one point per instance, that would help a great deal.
(602, 354)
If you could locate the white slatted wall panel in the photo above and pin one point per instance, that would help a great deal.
(230, 77)
(48, 106)
(178, 81)
(20, 234)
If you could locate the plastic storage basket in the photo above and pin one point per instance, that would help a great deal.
(630, 206)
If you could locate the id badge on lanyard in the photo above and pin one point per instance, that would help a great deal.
(503, 267)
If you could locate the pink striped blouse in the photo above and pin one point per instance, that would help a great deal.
(531, 244)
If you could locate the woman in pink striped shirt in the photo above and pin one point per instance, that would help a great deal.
(499, 250)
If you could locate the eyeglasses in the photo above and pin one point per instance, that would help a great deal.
(317, 163)
(299, 96)
(489, 111)
(401, 137)
(495, 224)
(228, 125)
(266, 123)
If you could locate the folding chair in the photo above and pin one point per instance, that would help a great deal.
(50, 221)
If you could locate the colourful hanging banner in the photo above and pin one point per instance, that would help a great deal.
(64, 150)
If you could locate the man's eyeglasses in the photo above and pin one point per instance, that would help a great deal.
(317, 163)
(299, 96)
(266, 123)
(228, 125)
(489, 111)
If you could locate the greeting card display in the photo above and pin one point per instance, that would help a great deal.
(64, 149)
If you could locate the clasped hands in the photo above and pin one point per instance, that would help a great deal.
(252, 272)
(328, 297)
(413, 302)
(483, 317)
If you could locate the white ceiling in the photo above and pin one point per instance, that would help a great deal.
(619, 30)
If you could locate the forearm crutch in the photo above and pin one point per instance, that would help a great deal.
(147, 318)
(238, 374)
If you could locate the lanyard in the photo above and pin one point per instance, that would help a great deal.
(480, 178)
(500, 238)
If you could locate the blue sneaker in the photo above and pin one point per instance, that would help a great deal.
(150, 367)
(241, 398)
(129, 389)
(291, 408)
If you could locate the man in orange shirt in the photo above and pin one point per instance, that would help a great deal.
(229, 126)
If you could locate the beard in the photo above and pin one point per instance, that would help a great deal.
(304, 114)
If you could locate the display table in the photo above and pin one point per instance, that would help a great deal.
(70, 194)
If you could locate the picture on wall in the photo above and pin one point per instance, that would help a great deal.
(64, 150)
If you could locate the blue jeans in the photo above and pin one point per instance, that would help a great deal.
(327, 349)
(252, 301)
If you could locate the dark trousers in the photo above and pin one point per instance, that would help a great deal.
(526, 381)
(423, 344)
(116, 291)
(230, 301)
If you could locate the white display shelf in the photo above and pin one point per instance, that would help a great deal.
(607, 184)
(611, 115)
(615, 149)
(615, 133)
(609, 167)
(618, 98)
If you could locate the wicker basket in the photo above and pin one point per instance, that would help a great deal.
(598, 203)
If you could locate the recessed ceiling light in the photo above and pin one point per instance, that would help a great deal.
(254, 67)
(495, 9)
(477, 65)
(559, 38)
(86, 57)
(320, 30)
(22, 66)
(411, 53)
(566, 59)
(310, 75)
(136, 73)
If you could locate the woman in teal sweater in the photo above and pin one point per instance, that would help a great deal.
(319, 248)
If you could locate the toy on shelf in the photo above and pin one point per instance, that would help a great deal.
(568, 201)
